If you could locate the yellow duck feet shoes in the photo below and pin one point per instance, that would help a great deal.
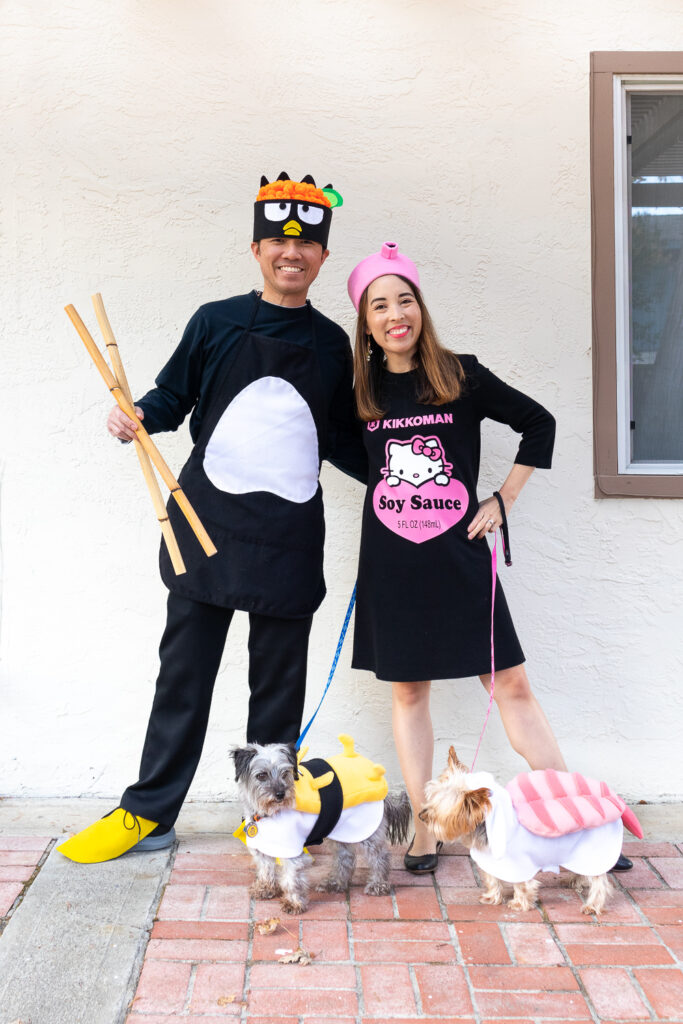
(115, 834)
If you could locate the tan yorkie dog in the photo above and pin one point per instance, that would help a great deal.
(571, 822)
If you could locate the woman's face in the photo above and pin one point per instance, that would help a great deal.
(394, 319)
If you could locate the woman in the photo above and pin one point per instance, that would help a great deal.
(424, 579)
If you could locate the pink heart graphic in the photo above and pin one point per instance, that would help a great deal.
(402, 508)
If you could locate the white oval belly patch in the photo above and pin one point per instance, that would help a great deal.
(265, 440)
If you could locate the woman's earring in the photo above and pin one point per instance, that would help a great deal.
(369, 355)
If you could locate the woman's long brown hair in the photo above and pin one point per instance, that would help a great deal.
(440, 375)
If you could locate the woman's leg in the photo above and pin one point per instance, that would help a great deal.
(414, 738)
(527, 727)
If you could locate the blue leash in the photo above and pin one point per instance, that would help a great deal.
(340, 644)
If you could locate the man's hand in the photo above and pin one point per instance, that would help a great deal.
(121, 426)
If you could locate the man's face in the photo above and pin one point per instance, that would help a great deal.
(289, 267)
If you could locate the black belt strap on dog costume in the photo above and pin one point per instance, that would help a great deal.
(331, 801)
(504, 529)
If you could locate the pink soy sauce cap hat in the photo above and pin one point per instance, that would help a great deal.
(387, 261)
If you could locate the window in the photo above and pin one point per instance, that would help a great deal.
(637, 208)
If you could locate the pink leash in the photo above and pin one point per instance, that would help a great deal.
(494, 562)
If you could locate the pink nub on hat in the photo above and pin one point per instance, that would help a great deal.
(387, 261)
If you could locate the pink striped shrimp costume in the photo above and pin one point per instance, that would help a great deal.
(545, 820)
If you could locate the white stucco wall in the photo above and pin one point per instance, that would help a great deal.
(134, 136)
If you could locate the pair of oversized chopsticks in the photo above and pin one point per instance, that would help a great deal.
(147, 451)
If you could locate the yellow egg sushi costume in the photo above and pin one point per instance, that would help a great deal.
(341, 798)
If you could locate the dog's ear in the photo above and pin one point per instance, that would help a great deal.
(474, 806)
(293, 759)
(242, 756)
(454, 761)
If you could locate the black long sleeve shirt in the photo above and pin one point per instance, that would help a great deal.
(186, 382)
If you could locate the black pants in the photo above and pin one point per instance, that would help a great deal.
(190, 652)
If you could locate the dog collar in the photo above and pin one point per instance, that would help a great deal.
(248, 828)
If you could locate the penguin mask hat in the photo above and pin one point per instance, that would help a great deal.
(294, 209)
(387, 261)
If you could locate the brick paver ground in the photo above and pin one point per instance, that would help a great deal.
(428, 951)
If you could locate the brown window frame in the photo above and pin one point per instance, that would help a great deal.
(609, 482)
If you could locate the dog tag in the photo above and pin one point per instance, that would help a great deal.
(251, 829)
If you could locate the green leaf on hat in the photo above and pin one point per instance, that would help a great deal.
(333, 196)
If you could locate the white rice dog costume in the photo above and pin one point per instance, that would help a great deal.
(341, 798)
(545, 820)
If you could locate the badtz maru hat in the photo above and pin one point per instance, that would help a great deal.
(296, 209)
(387, 261)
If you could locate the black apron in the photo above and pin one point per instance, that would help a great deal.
(252, 478)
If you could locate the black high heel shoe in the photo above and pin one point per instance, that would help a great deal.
(623, 864)
(424, 864)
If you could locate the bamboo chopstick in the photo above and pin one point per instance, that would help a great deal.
(144, 438)
(144, 459)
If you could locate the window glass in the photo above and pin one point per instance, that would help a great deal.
(656, 270)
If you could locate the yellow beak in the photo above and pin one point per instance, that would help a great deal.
(292, 227)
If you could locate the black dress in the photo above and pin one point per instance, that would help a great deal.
(424, 590)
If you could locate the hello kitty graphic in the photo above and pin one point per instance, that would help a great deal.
(417, 498)
(416, 462)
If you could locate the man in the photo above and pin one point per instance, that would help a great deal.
(268, 381)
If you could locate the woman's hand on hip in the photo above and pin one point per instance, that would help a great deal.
(487, 519)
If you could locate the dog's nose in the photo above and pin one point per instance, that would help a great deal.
(280, 795)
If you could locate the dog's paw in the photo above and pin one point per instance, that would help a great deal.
(291, 906)
(377, 889)
(264, 891)
(494, 899)
(521, 903)
(587, 908)
(330, 885)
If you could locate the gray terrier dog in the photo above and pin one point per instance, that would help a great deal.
(290, 804)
